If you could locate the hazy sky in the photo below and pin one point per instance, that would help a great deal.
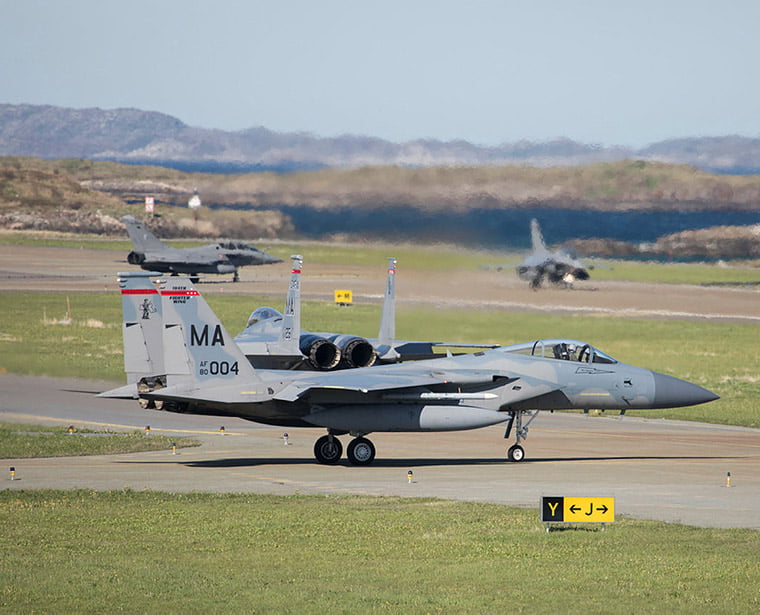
(598, 71)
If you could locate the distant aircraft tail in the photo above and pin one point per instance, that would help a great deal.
(197, 347)
(386, 336)
(142, 239)
(387, 333)
(536, 238)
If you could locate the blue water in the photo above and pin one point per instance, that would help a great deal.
(507, 228)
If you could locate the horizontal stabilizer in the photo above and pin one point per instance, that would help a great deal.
(128, 391)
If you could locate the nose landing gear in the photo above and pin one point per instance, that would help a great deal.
(516, 452)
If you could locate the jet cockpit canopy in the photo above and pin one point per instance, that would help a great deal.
(237, 245)
(562, 349)
(262, 313)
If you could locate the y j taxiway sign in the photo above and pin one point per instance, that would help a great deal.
(577, 509)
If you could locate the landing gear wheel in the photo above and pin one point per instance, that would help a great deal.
(361, 452)
(145, 404)
(328, 450)
(516, 453)
(194, 278)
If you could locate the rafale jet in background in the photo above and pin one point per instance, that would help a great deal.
(559, 267)
(224, 257)
(275, 341)
(207, 373)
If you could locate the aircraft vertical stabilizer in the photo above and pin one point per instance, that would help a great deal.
(141, 326)
(290, 333)
(195, 341)
(536, 238)
(142, 239)
(387, 333)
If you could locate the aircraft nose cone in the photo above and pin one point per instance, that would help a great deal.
(672, 392)
(268, 259)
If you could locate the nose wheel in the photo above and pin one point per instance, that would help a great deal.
(516, 452)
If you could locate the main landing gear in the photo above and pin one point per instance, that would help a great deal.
(328, 450)
(516, 452)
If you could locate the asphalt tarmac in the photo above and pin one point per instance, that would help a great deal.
(655, 469)
(33, 268)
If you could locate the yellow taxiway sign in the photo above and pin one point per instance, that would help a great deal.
(577, 509)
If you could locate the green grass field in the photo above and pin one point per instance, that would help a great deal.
(94, 552)
(91, 552)
(719, 356)
(30, 441)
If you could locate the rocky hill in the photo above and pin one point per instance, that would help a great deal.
(43, 196)
(134, 136)
(717, 242)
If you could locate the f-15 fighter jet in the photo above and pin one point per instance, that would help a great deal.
(275, 340)
(207, 373)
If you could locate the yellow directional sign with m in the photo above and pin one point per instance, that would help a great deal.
(588, 509)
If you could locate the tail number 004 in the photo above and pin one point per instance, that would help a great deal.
(218, 368)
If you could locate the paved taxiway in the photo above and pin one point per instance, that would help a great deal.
(34, 268)
(656, 469)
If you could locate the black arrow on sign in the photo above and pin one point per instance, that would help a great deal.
(603, 508)
(574, 509)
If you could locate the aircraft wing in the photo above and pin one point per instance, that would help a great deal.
(415, 351)
(410, 384)
(195, 258)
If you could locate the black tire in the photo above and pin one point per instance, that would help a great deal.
(516, 453)
(328, 450)
(361, 452)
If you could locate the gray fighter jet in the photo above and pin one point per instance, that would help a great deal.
(208, 374)
(224, 257)
(273, 340)
(559, 267)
